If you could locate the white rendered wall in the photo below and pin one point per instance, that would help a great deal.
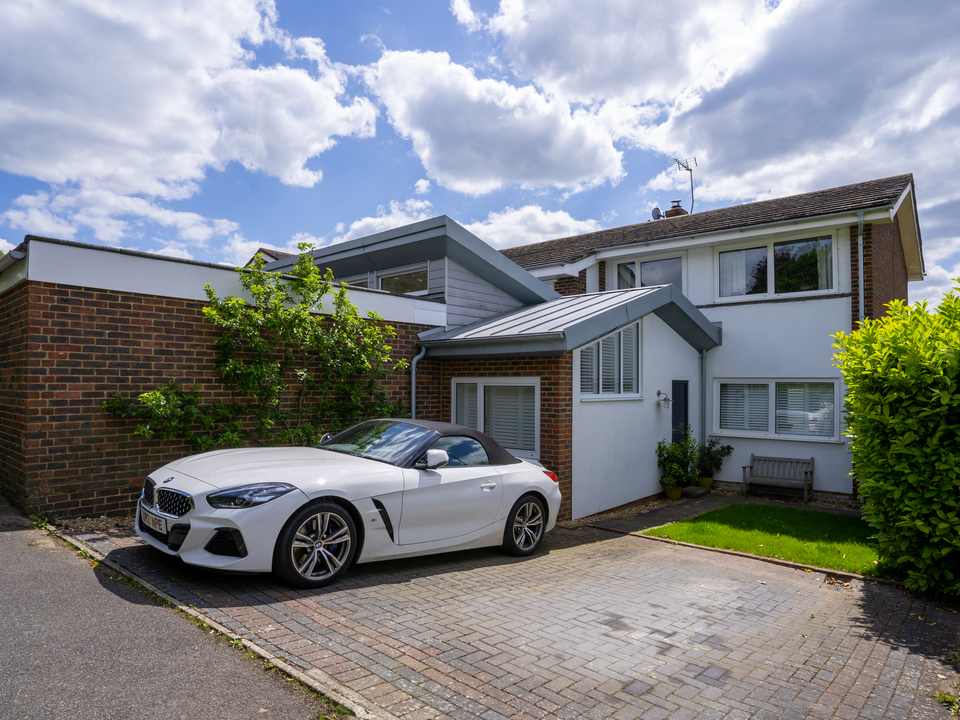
(769, 340)
(614, 441)
(781, 341)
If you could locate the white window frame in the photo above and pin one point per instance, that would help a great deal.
(611, 271)
(769, 243)
(481, 383)
(601, 396)
(771, 433)
(406, 270)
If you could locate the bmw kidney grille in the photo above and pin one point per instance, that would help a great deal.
(174, 502)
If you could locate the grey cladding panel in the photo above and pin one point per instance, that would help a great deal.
(470, 298)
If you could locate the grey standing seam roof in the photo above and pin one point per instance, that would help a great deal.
(849, 198)
(559, 326)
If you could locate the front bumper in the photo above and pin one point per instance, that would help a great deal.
(240, 540)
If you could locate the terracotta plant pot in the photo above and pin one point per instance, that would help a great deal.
(673, 491)
(706, 482)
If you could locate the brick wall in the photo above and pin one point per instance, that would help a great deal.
(556, 404)
(13, 390)
(82, 346)
(889, 268)
(884, 269)
(572, 286)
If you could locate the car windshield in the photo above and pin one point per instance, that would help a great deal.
(384, 440)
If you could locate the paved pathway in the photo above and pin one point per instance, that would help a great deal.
(597, 624)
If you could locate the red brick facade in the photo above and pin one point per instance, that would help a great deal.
(63, 351)
(13, 390)
(884, 269)
(556, 404)
(572, 285)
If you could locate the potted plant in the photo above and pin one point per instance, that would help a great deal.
(678, 460)
(710, 460)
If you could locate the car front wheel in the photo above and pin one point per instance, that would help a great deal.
(525, 525)
(316, 546)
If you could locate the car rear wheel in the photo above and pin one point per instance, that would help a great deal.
(525, 525)
(316, 546)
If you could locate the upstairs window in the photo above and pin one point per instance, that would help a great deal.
(652, 273)
(798, 266)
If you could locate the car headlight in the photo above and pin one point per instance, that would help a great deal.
(248, 495)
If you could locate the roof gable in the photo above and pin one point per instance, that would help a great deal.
(559, 326)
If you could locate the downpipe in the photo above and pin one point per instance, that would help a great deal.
(413, 382)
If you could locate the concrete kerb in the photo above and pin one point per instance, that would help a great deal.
(773, 561)
(317, 679)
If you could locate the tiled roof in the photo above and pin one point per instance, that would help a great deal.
(849, 198)
(269, 254)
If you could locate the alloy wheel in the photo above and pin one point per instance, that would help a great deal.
(321, 546)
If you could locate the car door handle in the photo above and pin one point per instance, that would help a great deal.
(487, 486)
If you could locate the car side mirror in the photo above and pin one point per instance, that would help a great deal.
(434, 458)
(326, 436)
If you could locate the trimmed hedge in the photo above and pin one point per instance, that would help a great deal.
(903, 419)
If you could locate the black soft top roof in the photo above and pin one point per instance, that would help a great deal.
(495, 451)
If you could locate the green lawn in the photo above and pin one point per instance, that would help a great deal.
(816, 538)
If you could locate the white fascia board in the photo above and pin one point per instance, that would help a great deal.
(877, 216)
(135, 273)
(909, 233)
(558, 270)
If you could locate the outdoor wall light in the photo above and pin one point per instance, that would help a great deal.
(663, 398)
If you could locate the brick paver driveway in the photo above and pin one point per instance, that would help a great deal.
(596, 625)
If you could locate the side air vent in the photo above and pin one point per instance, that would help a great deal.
(228, 542)
(385, 516)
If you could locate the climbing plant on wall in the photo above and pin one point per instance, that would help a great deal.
(296, 355)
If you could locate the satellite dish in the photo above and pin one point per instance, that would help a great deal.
(657, 214)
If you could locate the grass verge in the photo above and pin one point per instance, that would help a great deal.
(838, 542)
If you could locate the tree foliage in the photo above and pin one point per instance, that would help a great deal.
(903, 420)
(293, 373)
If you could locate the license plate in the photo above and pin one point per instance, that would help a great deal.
(154, 522)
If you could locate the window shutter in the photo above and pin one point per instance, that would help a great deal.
(630, 356)
(805, 409)
(509, 415)
(467, 404)
(609, 364)
(745, 407)
(588, 369)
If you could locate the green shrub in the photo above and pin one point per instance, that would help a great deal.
(710, 457)
(903, 419)
(678, 460)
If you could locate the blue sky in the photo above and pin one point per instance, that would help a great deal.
(208, 128)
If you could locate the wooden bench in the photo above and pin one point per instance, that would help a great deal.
(779, 472)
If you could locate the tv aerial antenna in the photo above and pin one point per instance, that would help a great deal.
(689, 164)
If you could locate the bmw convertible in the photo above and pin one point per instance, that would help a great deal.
(378, 490)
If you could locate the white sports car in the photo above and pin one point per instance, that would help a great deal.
(381, 489)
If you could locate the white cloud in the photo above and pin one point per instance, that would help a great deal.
(476, 135)
(5, 246)
(124, 98)
(422, 186)
(661, 53)
(398, 215)
(111, 216)
(528, 224)
(465, 15)
(32, 214)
